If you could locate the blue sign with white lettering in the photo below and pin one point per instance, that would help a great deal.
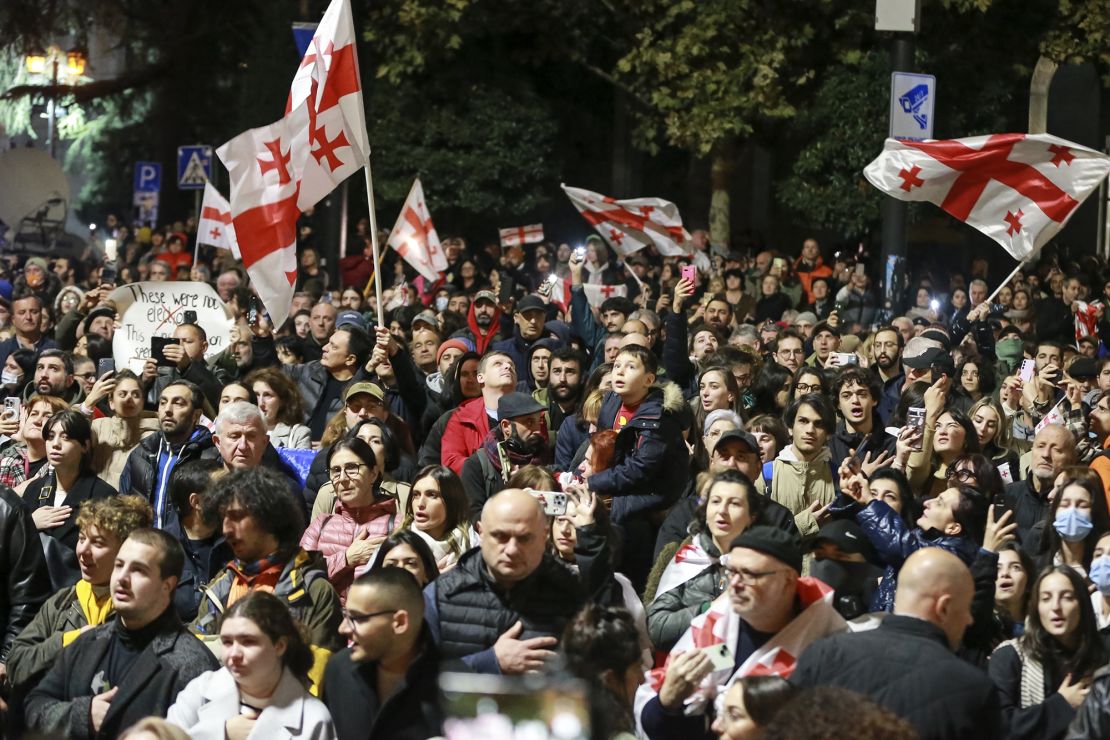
(148, 177)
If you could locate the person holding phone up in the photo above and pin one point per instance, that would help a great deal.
(183, 360)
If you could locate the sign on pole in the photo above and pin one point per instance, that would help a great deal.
(148, 181)
(194, 166)
(912, 99)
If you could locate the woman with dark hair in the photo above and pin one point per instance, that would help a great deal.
(406, 549)
(601, 647)
(26, 459)
(979, 472)
(237, 391)
(362, 519)
(468, 275)
(749, 705)
(280, 401)
(436, 510)
(1042, 676)
(717, 390)
(55, 499)
(771, 389)
(19, 368)
(387, 455)
(262, 689)
(952, 437)
(893, 488)
(1072, 525)
(976, 376)
(807, 380)
(1012, 587)
(688, 576)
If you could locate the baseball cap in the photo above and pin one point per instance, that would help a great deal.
(1083, 368)
(350, 317)
(530, 303)
(774, 542)
(824, 326)
(848, 536)
(738, 435)
(364, 387)
(921, 352)
(486, 295)
(512, 405)
(425, 317)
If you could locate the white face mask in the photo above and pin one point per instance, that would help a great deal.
(441, 303)
(7, 377)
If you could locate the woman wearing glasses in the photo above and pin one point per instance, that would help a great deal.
(262, 690)
(348, 536)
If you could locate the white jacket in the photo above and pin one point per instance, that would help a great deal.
(212, 698)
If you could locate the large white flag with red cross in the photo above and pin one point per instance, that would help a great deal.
(279, 170)
(1018, 189)
(631, 225)
(414, 236)
(214, 227)
(518, 236)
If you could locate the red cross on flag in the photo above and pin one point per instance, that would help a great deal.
(1018, 189)
(631, 225)
(214, 227)
(518, 236)
(596, 294)
(279, 170)
(414, 236)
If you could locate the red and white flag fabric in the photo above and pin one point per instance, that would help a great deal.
(518, 236)
(1086, 319)
(778, 656)
(690, 560)
(1018, 189)
(279, 170)
(214, 227)
(631, 225)
(596, 294)
(414, 236)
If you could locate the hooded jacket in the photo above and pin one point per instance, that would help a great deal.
(140, 478)
(796, 484)
(649, 470)
(482, 341)
(555, 335)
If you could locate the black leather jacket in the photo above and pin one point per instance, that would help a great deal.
(27, 584)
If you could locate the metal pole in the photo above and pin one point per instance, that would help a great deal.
(50, 109)
(894, 210)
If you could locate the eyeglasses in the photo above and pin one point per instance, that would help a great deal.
(803, 388)
(963, 476)
(363, 618)
(351, 470)
(745, 576)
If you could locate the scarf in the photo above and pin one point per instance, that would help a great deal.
(690, 560)
(498, 455)
(260, 575)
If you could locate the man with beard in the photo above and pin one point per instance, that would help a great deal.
(519, 439)
(150, 465)
(563, 394)
(888, 346)
(532, 326)
(54, 377)
(483, 320)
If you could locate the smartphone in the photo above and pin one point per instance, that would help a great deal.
(554, 502)
(508, 287)
(1001, 506)
(915, 417)
(158, 350)
(579, 254)
(689, 272)
(253, 311)
(13, 407)
(104, 366)
(190, 317)
(846, 358)
(1028, 367)
(720, 656)
(108, 274)
(861, 268)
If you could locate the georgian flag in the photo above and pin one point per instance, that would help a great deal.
(518, 236)
(596, 294)
(214, 227)
(631, 225)
(414, 236)
(1018, 189)
(690, 560)
(279, 170)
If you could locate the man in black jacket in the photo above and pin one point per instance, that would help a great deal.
(27, 583)
(148, 468)
(392, 656)
(133, 666)
(907, 664)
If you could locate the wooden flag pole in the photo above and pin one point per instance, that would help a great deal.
(374, 241)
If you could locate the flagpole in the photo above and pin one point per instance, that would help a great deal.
(374, 240)
(1005, 282)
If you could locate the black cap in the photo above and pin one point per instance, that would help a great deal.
(821, 326)
(774, 542)
(738, 435)
(1083, 368)
(920, 354)
(848, 536)
(937, 336)
(531, 303)
(515, 404)
(97, 313)
(921, 321)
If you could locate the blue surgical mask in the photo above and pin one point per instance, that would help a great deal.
(1072, 524)
(1100, 574)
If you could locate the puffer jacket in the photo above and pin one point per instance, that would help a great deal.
(669, 613)
(797, 484)
(894, 542)
(303, 586)
(138, 477)
(331, 535)
(649, 470)
(1092, 721)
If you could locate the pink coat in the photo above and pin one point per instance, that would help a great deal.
(331, 535)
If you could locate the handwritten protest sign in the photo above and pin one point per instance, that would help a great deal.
(155, 309)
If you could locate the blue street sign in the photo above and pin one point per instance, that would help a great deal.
(148, 177)
(194, 166)
(912, 101)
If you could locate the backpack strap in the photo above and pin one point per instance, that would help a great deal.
(768, 471)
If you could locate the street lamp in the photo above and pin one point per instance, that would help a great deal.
(39, 61)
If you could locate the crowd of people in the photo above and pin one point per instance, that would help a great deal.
(758, 500)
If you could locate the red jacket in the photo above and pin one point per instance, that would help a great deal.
(466, 429)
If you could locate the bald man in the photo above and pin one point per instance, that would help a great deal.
(501, 608)
(907, 664)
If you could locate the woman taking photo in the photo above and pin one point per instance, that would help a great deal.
(361, 520)
(262, 690)
(55, 498)
(1061, 647)
(691, 574)
(952, 436)
(115, 436)
(24, 460)
(280, 401)
(436, 510)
